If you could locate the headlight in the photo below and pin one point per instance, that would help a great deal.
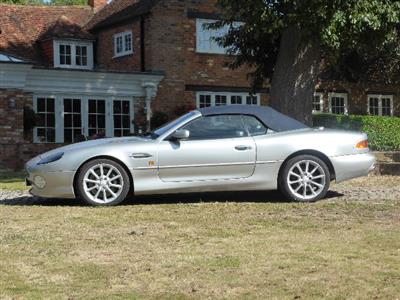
(51, 158)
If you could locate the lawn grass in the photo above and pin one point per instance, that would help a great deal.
(13, 181)
(330, 249)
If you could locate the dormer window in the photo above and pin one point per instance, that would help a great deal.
(73, 54)
(81, 56)
(65, 55)
(123, 44)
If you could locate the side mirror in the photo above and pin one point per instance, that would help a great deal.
(180, 134)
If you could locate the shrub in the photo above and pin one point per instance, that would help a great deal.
(383, 132)
(29, 119)
(158, 119)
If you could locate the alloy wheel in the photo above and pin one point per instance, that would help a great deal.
(103, 183)
(306, 179)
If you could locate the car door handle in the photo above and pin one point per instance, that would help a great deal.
(141, 155)
(242, 148)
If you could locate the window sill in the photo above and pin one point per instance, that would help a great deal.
(46, 143)
(214, 53)
(122, 55)
(73, 67)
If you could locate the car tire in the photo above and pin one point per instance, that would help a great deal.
(103, 182)
(304, 178)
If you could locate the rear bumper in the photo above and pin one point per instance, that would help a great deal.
(353, 166)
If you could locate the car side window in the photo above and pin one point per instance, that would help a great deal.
(254, 126)
(216, 127)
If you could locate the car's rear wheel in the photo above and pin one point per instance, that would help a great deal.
(304, 178)
(103, 182)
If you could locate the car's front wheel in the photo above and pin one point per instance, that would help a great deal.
(304, 178)
(103, 182)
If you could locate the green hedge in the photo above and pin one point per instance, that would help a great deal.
(383, 132)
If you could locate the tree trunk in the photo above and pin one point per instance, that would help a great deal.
(295, 76)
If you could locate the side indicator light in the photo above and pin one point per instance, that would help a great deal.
(362, 145)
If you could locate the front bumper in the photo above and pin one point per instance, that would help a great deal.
(353, 166)
(59, 184)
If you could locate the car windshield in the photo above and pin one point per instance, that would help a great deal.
(160, 131)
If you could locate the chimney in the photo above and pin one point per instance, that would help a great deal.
(98, 4)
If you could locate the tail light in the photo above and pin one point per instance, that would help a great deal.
(362, 145)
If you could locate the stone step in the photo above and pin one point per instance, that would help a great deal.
(393, 156)
(387, 168)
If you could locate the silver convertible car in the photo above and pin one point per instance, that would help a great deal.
(226, 148)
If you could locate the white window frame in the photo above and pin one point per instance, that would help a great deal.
(228, 97)
(59, 113)
(82, 113)
(339, 95)
(122, 35)
(321, 102)
(380, 107)
(95, 114)
(212, 46)
(81, 55)
(131, 112)
(35, 108)
(73, 45)
(257, 96)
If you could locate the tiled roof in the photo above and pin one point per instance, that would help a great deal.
(112, 16)
(21, 27)
(65, 28)
(113, 7)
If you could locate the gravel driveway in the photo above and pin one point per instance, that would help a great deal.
(372, 188)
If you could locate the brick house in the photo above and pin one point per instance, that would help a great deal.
(101, 69)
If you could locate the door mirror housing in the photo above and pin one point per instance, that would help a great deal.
(180, 134)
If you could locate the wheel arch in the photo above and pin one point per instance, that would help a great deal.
(116, 160)
(315, 153)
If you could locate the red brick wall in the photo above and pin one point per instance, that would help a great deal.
(358, 94)
(12, 104)
(105, 49)
(170, 46)
(14, 149)
(97, 4)
(47, 48)
(171, 35)
(14, 156)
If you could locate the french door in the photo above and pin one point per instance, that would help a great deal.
(122, 114)
(72, 120)
(95, 117)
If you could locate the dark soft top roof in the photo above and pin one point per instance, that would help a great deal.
(270, 117)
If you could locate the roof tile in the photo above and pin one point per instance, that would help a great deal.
(113, 7)
(22, 26)
(137, 9)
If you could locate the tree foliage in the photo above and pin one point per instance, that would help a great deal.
(359, 39)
